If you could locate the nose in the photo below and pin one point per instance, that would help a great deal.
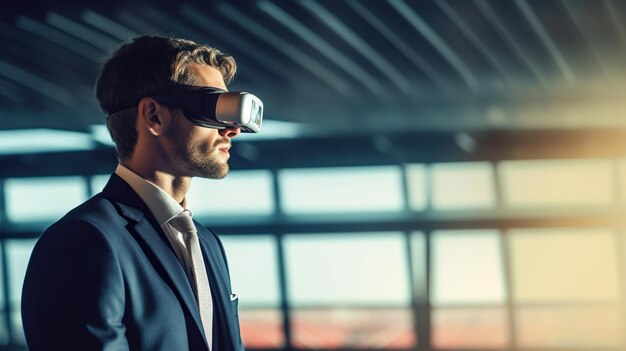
(229, 132)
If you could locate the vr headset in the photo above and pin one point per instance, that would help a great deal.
(215, 108)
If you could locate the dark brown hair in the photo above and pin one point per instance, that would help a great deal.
(144, 67)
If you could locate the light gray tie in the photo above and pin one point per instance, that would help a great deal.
(183, 223)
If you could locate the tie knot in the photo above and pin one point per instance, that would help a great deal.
(183, 222)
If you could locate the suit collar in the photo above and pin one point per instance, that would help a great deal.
(160, 203)
(129, 203)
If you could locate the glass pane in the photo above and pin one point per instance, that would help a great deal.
(419, 266)
(98, 182)
(253, 269)
(354, 269)
(462, 328)
(416, 181)
(241, 192)
(575, 327)
(468, 185)
(18, 254)
(24, 141)
(622, 178)
(261, 328)
(467, 267)
(341, 190)
(43, 199)
(362, 328)
(564, 265)
(557, 182)
(4, 335)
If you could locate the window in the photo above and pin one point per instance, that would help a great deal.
(566, 280)
(564, 265)
(98, 182)
(349, 290)
(43, 199)
(18, 254)
(557, 183)
(467, 267)
(254, 277)
(241, 194)
(417, 186)
(468, 185)
(341, 190)
(469, 294)
(4, 333)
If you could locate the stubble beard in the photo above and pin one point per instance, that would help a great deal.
(198, 159)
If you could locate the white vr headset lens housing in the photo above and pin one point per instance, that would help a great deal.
(239, 109)
(216, 108)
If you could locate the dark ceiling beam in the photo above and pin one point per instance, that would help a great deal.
(108, 25)
(477, 42)
(547, 41)
(136, 23)
(317, 70)
(426, 68)
(235, 41)
(10, 91)
(53, 66)
(82, 32)
(37, 84)
(60, 38)
(170, 24)
(438, 43)
(616, 20)
(322, 46)
(355, 41)
(589, 40)
(484, 7)
(44, 50)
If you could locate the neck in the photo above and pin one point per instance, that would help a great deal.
(175, 186)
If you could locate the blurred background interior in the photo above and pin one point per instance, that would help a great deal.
(445, 175)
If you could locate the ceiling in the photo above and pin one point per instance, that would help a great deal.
(341, 66)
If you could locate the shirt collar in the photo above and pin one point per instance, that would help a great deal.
(160, 203)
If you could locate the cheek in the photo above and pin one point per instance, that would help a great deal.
(203, 139)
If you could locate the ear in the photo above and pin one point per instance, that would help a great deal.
(151, 116)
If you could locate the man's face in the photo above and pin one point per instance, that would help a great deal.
(199, 151)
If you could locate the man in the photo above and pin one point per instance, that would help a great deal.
(126, 270)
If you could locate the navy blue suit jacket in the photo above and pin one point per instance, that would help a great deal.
(105, 277)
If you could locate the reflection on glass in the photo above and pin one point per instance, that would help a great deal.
(358, 328)
(463, 328)
(337, 190)
(43, 199)
(557, 182)
(467, 267)
(468, 185)
(352, 269)
(570, 327)
(564, 265)
(240, 193)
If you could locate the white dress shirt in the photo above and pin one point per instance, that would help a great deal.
(164, 208)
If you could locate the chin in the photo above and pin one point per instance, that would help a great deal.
(213, 171)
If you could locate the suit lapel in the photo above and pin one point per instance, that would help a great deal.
(152, 239)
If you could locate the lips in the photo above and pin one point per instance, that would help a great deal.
(224, 148)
